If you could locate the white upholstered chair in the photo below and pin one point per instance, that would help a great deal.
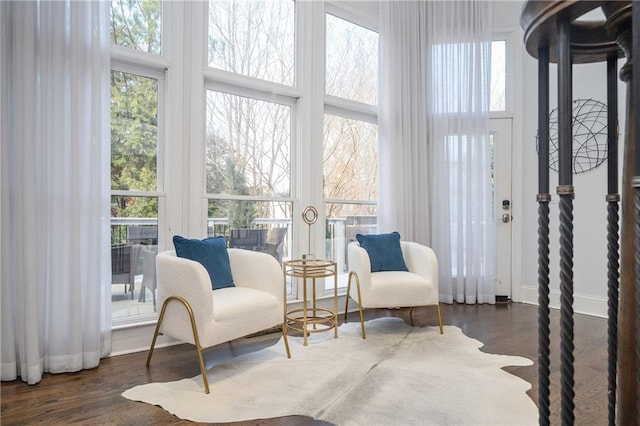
(194, 313)
(394, 289)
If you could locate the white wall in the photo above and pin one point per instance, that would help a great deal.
(590, 208)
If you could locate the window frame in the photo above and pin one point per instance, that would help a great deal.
(159, 76)
(153, 66)
(348, 109)
(182, 193)
(511, 57)
(231, 86)
(227, 82)
(344, 107)
(219, 74)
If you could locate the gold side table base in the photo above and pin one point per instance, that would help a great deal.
(312, 319)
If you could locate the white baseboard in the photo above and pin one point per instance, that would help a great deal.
(582, 303)
(136, 338)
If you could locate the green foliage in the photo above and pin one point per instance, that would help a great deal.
(240, 213)
(217, 151)
(146, 207)
(136, 24)
(134, 140)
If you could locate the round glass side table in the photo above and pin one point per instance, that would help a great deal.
(311, 319)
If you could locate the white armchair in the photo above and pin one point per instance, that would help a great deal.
(194, 313)
(394, 289)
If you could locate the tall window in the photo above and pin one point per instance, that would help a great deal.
(137, 92)
(253, 38)
(352, 61)
(350, 136)
(248, 172)
(249, 125)
(498, 76)
(223, 79)
(137, 25)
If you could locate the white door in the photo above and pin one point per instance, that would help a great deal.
(501, 168)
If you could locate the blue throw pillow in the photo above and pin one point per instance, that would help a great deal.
(212, 254)
(384, 251)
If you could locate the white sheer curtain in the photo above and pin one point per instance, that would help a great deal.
(55, 187)
(435, 157)
(403, 156)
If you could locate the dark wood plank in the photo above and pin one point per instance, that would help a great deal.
(93, 396)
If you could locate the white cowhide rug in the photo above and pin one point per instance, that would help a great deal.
(399, 375)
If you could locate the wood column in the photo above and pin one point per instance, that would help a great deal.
(619, 22)
(544, 23)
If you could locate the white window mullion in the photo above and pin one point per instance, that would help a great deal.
(247, 86)
(184, 118)
(195, 57)
(311, 77)
(350, 109)
(350, 133)
(123, 55)
(173, 39)
(141, 118)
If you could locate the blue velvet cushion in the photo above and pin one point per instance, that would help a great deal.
(212, 254)
(384, 251)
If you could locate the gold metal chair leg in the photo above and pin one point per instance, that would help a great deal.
(346, 304)
(360, 309)
(286, 341)
(195, 336)
(439, 318)
(155, 336)
(203, 371)
(364, 335)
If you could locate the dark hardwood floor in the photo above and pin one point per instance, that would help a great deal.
(93, 396)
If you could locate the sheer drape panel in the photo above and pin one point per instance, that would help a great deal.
(403, 200)
(434, 155)
(55, 187)
(463, 227)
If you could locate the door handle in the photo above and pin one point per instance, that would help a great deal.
(506, 218)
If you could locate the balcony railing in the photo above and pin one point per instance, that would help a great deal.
(339, 233)
(131, 238)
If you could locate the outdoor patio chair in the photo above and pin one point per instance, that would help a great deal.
(123, 265)
(275, 242)
(148, 258)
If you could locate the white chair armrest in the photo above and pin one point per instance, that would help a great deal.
(188, 279)
(360, 264)
(257, 270)
(420, 260)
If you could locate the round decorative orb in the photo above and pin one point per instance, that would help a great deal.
(589, 131)
(310, 215)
